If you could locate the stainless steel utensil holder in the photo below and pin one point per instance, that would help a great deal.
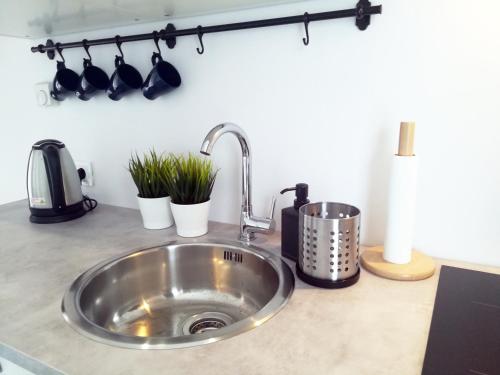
(329, 244)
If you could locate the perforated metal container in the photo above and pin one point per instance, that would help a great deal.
(329, 244)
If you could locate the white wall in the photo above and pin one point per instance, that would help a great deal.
(326, 114)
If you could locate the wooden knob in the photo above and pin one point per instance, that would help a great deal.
(406, 139)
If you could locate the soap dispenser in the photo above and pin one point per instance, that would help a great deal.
(290, 222)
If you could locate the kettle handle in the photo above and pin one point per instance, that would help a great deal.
(54, 176)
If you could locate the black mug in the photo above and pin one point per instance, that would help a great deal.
(92, 80)
(162, 79)
(65, 82)
(124, 79)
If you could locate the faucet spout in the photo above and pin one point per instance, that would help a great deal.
(248, 223)
(208, 144)
(216, 132)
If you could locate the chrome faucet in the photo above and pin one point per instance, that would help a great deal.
(249, 224)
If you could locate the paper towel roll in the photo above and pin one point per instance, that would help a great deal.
(401, 210)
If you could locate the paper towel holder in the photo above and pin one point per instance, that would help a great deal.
(398, 260)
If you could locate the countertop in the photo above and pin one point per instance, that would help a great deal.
(377, 326)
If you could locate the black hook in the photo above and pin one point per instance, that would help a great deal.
(86, 48)
(119, 45)
(200, 36)
(156, 39)
(306, 25)
(59, 51)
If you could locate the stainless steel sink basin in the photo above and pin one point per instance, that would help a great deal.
(177, 295)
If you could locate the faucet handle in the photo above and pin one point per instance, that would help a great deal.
(272, 207)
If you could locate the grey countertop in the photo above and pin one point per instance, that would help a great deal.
(377, 326)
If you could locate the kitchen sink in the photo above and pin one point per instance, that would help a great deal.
(179, 294)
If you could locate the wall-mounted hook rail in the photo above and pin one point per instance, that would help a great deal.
(156, 39)
(306, 26)
(200, 37)
(361, 13)
(59, 51)
(118, 41)
(86, 48)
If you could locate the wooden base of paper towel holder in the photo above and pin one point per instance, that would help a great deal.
(421, 266)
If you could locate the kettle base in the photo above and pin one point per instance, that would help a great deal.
(57, 218)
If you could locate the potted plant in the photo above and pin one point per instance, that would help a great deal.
(190, 187)
(149, 175)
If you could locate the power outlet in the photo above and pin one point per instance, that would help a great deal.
(89, 173)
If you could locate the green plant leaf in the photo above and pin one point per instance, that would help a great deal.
(150, 174)
(192, 180)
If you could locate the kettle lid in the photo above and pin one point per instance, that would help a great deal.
(47, 142)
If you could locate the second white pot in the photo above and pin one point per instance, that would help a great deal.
(156, 212)
(191, 220)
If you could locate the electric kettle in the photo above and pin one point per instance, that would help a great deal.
(53, 183)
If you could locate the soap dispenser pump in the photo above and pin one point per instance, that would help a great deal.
(290, 221)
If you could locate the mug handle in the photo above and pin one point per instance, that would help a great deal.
(156, 58)
(119, 61)
(87, 63)
(61, 65)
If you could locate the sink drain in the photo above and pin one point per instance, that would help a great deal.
(206, 322)
(205, 325)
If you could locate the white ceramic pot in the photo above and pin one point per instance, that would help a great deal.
(191, 220)
(156, 212)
